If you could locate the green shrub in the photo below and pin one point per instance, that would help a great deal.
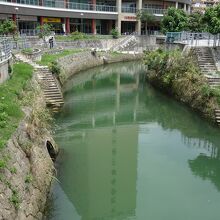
(76, 35)
(54, 68)
(2, 164)
(114, 33)
(15, 198)
(28, 178)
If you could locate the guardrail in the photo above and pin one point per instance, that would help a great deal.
(194, 39)
(5, 51)
(29, 32)
(128, 10)
(64, 4)
(155, 11)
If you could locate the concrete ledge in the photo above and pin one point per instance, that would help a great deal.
(34, 56)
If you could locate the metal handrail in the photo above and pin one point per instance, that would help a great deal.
(194, 39)
(159, 11)
(5, 51)
(128, 10)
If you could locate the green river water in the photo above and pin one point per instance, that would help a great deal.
(129, 152)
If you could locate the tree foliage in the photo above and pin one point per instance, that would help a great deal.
(145, 16)
(195, 22)
(8, 27)
(212, 19)
(44, 31)
(175, 20)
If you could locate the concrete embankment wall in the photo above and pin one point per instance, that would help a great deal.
(74, 63)
(4, 69)
(26, 180)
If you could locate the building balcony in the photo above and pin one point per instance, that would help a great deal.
(153, 11)
(64, 5)
(128, 10)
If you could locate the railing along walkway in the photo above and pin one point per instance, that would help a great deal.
(194, 39)
(5, 51)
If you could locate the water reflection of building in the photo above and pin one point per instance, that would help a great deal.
(100, 175)
(101, 169)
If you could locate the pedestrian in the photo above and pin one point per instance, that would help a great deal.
(51, 42)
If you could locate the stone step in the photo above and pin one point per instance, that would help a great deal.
(52, 91)
(54, 97)
(213, 80)
(54, 100)
(57, 94)
(52, 88)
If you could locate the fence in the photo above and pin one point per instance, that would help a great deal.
(194, 39)
(5, 51)
(15, 44)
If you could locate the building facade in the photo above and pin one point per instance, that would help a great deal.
(88, 16)
(201, 5)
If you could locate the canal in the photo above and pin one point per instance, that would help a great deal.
(128, 152)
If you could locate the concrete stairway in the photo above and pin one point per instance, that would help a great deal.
(51, 89)
(207, 65)
(214, 81)
(49, 84)
(126, 44)
(217, 116)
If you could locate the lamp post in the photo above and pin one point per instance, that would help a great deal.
(17, 9)
(81, 27)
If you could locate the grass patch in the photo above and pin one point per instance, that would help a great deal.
(10, 106)
(27, 50)
(47, 59)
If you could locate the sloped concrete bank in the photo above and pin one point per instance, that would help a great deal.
(25, 181)
(74, 63)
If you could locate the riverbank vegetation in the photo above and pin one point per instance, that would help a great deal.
(10, 105)
(180, 77)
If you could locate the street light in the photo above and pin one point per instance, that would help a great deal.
(81, 23)
(17, 9)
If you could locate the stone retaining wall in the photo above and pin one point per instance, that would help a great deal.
(97, 43)
(26, 180)
(34, 56)
(74, 63)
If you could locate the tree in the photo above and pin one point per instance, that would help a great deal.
(44, 31)
(212, 19)
(114, 33)
(175, 20)
(145, 17)
(195, 22)
(8, 27)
